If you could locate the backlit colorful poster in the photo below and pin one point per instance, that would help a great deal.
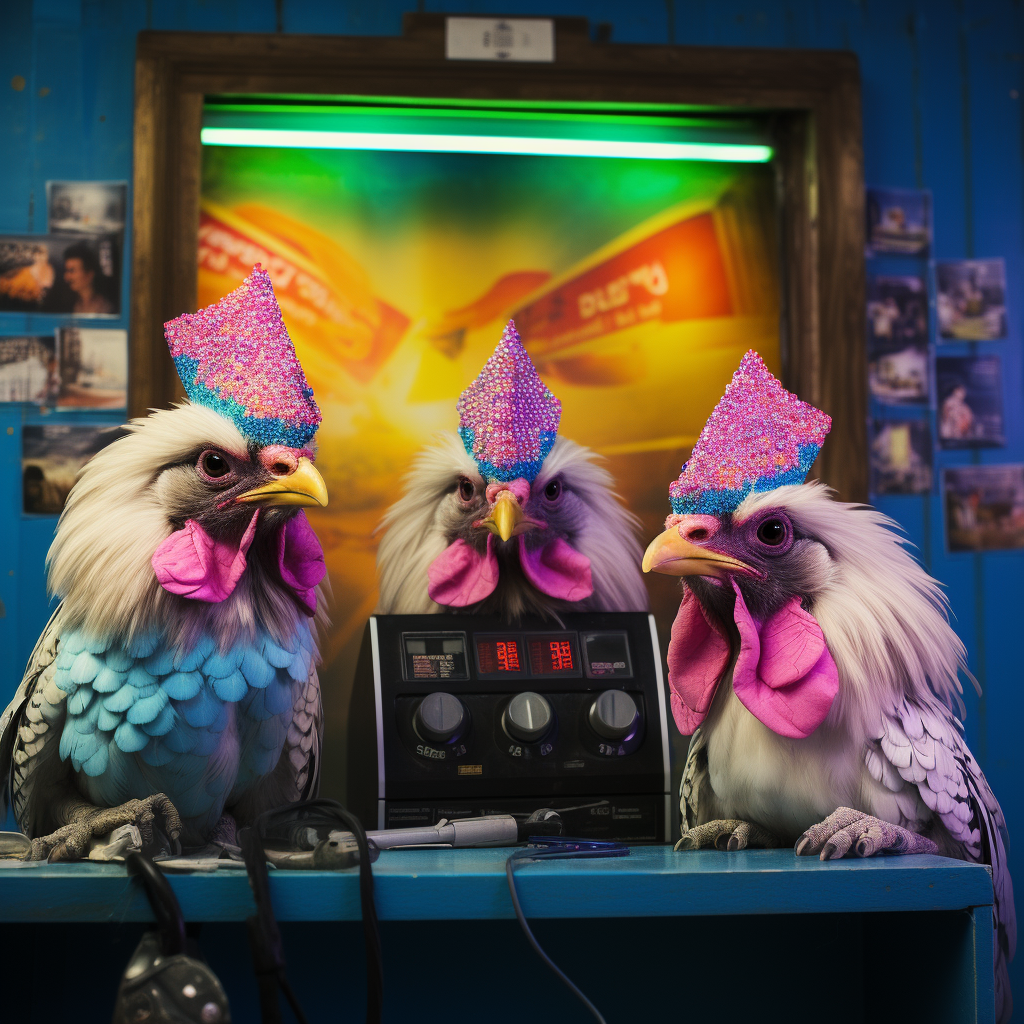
(636, 285)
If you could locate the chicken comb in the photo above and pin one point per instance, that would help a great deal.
(759, 437)
(508, 419)
(236, 358)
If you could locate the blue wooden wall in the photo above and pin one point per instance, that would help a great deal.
(942, 93)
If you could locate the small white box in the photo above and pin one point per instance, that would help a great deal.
(521, 39)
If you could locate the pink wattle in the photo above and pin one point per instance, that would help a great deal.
(192, 564)
(698, 654)
(784, 674)
(557, 569)
(300, 560)
(461, 575)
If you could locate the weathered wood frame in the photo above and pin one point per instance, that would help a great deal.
(813, 97)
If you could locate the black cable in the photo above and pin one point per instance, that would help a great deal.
(526, 856)
(166, 908)
(286, 822)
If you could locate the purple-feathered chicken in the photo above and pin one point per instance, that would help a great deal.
(813, 662)
(175, 687)
(509, 518)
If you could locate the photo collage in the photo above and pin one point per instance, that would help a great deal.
(933, 384)
(69, 277)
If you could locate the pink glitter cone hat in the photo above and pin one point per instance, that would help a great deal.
(508, 419)
(759, 437)
(236, 358)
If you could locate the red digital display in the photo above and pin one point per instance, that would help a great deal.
(497, 655)
(553, 653)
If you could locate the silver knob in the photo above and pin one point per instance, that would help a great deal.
(613, 714)
(528, 717)
(439, 717)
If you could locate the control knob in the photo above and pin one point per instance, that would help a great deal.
(528, 717)
(613, 714)
(439, 717)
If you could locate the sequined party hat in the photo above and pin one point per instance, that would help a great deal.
(759, 437)
(236, 358)
(508, 419)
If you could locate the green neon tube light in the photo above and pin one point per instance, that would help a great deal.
(514, 145)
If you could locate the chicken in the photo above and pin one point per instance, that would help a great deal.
(175, 687)
(508, 517)
(813, 662)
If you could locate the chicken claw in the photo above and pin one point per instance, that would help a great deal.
(728, 834)
(71, 842)
(846, 829)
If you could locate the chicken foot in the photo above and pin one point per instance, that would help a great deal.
(845, 829)
(727, 834)
(83, 821)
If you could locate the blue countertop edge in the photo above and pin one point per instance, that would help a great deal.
(420, 885)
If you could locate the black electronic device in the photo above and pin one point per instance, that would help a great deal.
(457, 716)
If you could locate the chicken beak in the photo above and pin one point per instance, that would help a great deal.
(505, 516)
(671, 554)
(303, 486)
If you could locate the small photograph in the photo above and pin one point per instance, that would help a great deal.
(901, 457)
(970, 299)
(29, 370)
(86, 207)
(93, 368)
(51, 456)
(899, 220)
(970, 396)
(69, 274)
(897, 314)
(984, 507)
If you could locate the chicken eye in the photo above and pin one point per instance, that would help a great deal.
(772, 532)
(214, 465)
(466, 489)
(553, 490)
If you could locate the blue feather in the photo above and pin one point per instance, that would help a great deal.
(160, 662)
(95, 644)
(107, 721)
(122, 700)
(182, 685)
(190, 661)
(85, 723)
(97, 764)
(139, 677)
(143, 645)
(82, 747)
(119, 660)
(62, 680)
(202, 710)
(207, 743)
(181, 737)
(147, 708)
(255, 669)
(277, 656)
(108, 680)
(79, 700)
(71, 645)
(129, 738)
(232, 687)
(279, 697)
(85, 667)
(220, 665)
(163, 723)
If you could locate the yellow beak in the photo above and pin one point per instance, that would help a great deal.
(305, 486)
(670, 554)
(505, 516)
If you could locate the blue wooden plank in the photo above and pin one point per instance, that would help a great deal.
(427, 885)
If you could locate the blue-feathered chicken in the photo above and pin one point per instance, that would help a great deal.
(175, 686)
(813, 662)
(508, 517)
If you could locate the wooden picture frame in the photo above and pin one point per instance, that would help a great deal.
(813, 98)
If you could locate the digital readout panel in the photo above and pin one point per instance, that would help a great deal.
(435, 656)
(553, 654)
(498, 655)
(606, 656)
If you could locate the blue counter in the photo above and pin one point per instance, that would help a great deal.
(644, 935)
